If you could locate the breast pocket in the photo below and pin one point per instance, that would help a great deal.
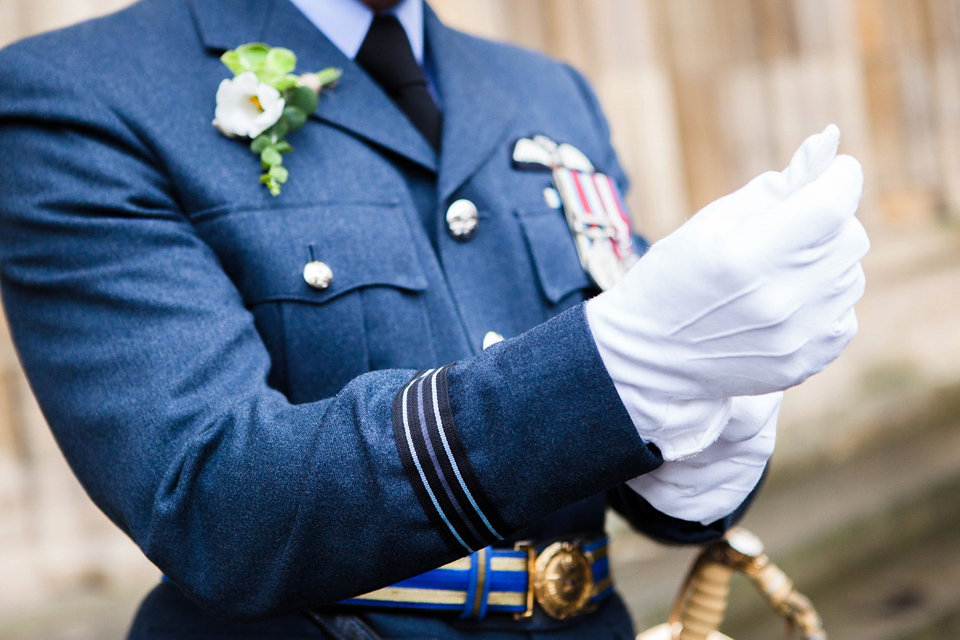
(562, 280)
(323, 335)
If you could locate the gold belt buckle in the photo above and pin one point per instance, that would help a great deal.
(560, 579)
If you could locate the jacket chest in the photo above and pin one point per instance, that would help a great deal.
(402, 290)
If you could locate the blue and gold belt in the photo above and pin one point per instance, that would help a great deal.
(565, 579)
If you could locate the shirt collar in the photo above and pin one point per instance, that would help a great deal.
(346, 22)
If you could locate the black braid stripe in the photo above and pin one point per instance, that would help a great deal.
(410, 467)
(416, 428)
(435, 460)
(485, 506)
(438, 430)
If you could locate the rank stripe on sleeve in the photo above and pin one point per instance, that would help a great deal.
(431, 473)
(454, 461)
(427, 446)
(435, 461)
(478, 498)
(414, 471)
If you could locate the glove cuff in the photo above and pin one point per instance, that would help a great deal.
(679, 427)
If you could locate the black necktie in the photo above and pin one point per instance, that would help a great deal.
(386, 55)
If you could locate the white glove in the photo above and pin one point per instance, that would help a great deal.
(752, 295)
(712, 484)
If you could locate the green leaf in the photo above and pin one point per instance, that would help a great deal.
(294, 117)
(270, 157)
(253, 55)
(302, 98)
(271, 183)
(231, 60)
(278, 130)
(278, 173)
(328, 76)
(267, 77)
(283, 147)
(260, 143)
(280, 60)
(284, 83)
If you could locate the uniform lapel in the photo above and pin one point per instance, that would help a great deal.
(477, 112)
(225, 24)
(356, 104)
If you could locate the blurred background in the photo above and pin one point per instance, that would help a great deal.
(863, 502)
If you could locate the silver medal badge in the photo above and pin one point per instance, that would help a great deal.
(592, 204)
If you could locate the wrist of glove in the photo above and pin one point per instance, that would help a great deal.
(751, 296)
(713, 483)
(678, 427)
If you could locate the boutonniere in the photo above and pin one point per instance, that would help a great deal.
(265, 101)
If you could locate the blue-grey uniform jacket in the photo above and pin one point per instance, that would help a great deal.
(241, 426)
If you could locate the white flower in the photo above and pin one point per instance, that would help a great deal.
(246, 106)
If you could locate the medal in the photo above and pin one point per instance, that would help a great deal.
(592, 204)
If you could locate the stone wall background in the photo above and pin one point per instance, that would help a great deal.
(701, 96)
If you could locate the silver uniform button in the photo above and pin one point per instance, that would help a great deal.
(317, 274)
(491, 339)
(462, 219)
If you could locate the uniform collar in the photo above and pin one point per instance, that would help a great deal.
(346, 22)
(225, 24)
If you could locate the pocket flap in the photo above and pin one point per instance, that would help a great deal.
(264, 251)
(554, 252)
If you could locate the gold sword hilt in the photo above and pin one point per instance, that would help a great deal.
(702, 602)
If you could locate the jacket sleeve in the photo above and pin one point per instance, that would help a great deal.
(152, 377)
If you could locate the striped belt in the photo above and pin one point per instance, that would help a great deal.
(565, 579)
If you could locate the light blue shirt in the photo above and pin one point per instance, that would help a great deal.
(346, 22)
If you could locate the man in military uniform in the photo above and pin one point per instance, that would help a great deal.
(302, 403)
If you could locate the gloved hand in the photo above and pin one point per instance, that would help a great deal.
(713, 483)
(752, 295)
